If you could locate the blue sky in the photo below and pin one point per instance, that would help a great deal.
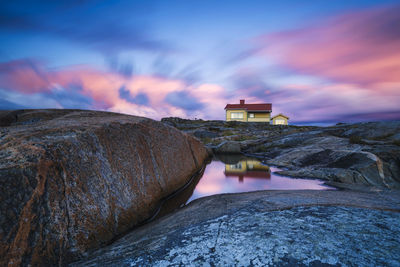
(190, 58)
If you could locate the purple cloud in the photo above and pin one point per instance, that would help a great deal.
(140, 98)
(183, 100)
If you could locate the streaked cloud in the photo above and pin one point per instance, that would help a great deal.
(183, 100)
(88, 23)
(343, 67)
(24, 75)
(85, 87)
(137, 58)
(358, 47)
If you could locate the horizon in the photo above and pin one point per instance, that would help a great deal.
(317, 62)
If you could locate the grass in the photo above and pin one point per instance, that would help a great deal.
(355, 139)
(396, 142)
(228, 133)
(382, 137)
(261, 149)
(235, 124)
(212, 141)
(206, 140)
(244, 138)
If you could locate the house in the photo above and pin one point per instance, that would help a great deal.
(280, 119)
(247, 168)
(248, 112)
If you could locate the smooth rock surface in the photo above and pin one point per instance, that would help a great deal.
(72, 181)
(267, 228)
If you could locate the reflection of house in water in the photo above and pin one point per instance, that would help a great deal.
(247, 168)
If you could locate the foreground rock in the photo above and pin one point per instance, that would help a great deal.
(267, 228)
(345, 154)
(72, 181)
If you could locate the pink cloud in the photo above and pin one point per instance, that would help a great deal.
(24, 76)
(359, 47)
(27, 77)
(347, 67)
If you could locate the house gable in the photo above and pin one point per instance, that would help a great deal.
(280, 119)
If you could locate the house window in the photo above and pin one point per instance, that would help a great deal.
(251, 115)
(237, 115)
(279, 122)
(236, 166)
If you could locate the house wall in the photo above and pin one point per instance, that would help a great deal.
(229, 112)
(279, 118)
(246, 165)
(241, 166)
(260, 117)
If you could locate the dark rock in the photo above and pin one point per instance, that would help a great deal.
(8, 117)
(72, 181)
(229, 158)
(362, 153)
(228, 147)
(205, 134)
(371, 130)
(334, 159)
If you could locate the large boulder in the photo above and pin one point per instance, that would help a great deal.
(72, 181)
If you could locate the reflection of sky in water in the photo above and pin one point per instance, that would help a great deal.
(217, 180)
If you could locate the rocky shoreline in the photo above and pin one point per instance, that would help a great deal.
(75, 183)
(355, 226)
(366, 154)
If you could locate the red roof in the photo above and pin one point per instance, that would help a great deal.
(251, 107)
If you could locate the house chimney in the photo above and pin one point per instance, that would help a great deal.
(241, 101)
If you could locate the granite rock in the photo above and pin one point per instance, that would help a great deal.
(359, 153)
(72, 180)
(228, 147)
(267, 228)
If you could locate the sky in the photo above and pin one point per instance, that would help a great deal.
(315, 61)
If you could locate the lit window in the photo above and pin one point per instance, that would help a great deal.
(237, 115)
(236, 166)
(251, 115)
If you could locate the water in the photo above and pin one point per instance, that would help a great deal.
(234, 174)
(230, 174)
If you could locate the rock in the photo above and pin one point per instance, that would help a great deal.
(358, 153)
(205, 134)
(72, 181)
(228, 147)
(267, 228)
(371, 130)
(333, 158)
(229, 159)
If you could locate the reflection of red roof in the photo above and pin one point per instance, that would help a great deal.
(249, 174)
(251, 107)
